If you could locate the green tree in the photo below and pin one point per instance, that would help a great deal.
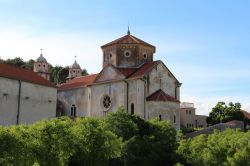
(230, 147)
(224, 113)
(94, 145)
(144, 142)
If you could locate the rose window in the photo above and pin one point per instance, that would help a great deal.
(106, 102)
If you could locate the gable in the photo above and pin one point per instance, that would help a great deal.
(109, 73)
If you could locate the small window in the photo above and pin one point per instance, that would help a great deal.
(110, 55)
(39, 65)
(160, 118)
(132, 109)
(174, 119)
(145, 56)
(127, 53)
(74, 71)
(187, 125)
(43, 65)
(189, 112)
(73, 110)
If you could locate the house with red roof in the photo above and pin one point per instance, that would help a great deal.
(129, 78)
(25, 96)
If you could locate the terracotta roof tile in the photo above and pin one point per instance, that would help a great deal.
(146, 67)
(78, 82)
(128, 39)
(160, 95)
(127, 71)
(16, 73)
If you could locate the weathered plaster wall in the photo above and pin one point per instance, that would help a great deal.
(8, 103)
(36, 102)
(167, 110)
(78, 97)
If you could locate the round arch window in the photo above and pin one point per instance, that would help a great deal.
(106, 102)
(127, 53)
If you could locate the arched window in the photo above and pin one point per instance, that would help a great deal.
(160, 117)
(73, 110)
(132, 109)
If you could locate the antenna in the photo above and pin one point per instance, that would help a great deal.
(75, 58)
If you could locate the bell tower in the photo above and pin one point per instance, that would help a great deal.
(41, 67)
(74, 70)
(127, 51)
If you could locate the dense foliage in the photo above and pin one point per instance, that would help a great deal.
(224, 113)
(231, 147)
(119, 139)
(58, 74)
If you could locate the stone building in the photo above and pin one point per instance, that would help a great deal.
(130, 78)
(189, 119)
(25, 97)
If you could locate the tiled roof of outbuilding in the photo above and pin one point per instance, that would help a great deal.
(160, 95)
(16, 73)
(78, 82)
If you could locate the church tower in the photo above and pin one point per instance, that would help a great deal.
(41, 67)
(74, 71)
(127, 51)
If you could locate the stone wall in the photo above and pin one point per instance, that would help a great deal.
(167, 110)
(37, 102)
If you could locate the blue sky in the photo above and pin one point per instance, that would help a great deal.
(205, 44)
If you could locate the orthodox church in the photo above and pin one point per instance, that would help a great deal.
(129, 77)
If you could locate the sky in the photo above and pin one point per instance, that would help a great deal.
(205, 44)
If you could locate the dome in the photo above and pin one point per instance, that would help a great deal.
(75, 66)
(41, 59)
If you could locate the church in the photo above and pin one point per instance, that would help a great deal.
(129, 78)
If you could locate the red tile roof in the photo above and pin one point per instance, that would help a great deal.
(159, 95)
(16, 73)
(128, 39)
(78, 82)
(145, 68)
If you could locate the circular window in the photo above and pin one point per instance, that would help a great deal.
(110, 55)
(127, 53)
(39, 65)
(145, 56)
(106, 103)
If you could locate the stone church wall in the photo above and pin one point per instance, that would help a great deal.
(115, 90)
(78, 97)
(160, 78)
(136, 97)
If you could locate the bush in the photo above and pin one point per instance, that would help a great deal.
(230, 147)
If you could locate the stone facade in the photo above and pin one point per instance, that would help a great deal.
(129, 78)
(189, 119)
(25, 100)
